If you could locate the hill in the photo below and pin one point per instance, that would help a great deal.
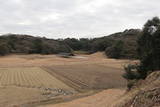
(16, 43)
(117, 45)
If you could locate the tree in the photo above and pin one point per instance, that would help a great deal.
(116, 51)
(149, 47)
(149, 53)
(37, 46)
(73, 43)
(4, 49)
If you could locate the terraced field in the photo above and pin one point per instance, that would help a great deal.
(92, 76)
(30, 77)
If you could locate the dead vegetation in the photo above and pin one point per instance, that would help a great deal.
(40, 74)
(146, 93)
(92, 76)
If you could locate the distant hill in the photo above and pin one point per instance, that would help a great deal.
(16, 43)
(117, 45)
(125, 44)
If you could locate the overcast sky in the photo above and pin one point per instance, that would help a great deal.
(74, 18)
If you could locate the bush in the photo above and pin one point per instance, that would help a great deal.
(131, 72)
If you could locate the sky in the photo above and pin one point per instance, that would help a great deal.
(74, 18)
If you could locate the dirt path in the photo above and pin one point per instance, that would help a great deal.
(103, 99)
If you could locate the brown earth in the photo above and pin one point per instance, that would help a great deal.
(87, 74)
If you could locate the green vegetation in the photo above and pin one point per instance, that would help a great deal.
(116, 50)
(118, 45)
(124, 45)
(13, 43)
(148, 51)
(82, 44)
(149, 46)
(4, 49)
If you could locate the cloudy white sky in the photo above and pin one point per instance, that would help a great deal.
(74, 18)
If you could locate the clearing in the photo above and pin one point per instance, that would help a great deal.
(33, 80)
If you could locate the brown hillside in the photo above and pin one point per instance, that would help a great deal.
(146, 93)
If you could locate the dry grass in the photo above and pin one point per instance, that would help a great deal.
(30, 77)
(11, 96)
(30, 84)
(29, 73)
(102, 99)
(51, 60)
(90, 76)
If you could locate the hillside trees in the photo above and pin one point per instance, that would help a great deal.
(100, 44)
(148, 51)
(37, 46)
(73, 43)
(116, 50)
(149, 47)
(26, 44)
(82, 44)
(4, 49)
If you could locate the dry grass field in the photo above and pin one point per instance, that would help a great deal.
(34, 79)
(102, 99)
(30, 77)
(91, 76)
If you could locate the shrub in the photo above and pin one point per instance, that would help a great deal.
(131, 72)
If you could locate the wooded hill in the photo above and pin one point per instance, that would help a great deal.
(15, 43)
(118, 45)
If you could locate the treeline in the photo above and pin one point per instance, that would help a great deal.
(13, 43)
(118, 45)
